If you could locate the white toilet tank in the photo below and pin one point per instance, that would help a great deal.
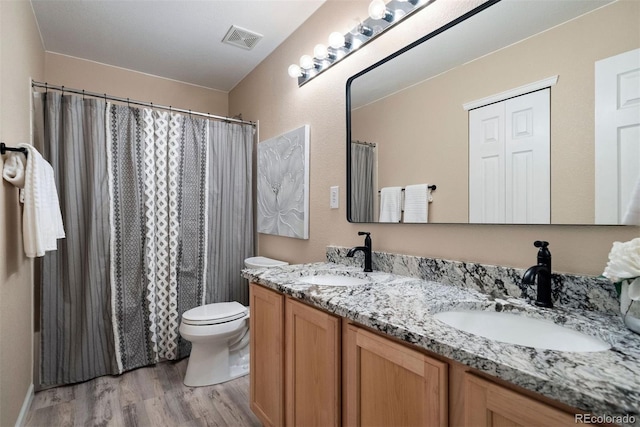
(263, 262)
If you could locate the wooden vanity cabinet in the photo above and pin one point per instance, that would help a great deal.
(492, 405)
(388, 384)
(312, 369)
(304, 391)
(266, 326)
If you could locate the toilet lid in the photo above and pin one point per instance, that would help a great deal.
(263, 262)
(212, 314)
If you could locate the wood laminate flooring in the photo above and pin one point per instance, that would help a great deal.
(150, 396)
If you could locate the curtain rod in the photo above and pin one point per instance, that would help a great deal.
(370, 144)
(105, 96)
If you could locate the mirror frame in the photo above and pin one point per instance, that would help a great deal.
(410, 46)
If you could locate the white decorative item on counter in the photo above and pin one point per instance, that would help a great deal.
(630, 304)
(623, 269)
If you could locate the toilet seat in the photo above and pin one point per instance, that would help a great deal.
(213, 314)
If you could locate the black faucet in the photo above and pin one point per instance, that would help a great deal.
(366, 249)
(543, 271)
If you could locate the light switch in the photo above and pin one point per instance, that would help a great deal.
(334, 197)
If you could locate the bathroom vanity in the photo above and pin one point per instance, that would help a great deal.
(373, 353)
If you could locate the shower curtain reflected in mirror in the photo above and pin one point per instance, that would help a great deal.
(363, 163)
(145, 196)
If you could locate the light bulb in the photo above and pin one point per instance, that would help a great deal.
(306, 62)
(320, 51)
(336, 40)
(377, 9)
(294, 71)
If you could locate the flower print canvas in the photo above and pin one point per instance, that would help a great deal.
(283, 184)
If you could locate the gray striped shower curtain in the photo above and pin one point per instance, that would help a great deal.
(152, 205)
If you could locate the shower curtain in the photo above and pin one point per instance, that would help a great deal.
(139, 192)
(362, 182)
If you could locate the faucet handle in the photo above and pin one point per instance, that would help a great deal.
(540, 244)
(362, 233)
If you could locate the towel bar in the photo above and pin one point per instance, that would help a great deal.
(4, 149)
(431, 187)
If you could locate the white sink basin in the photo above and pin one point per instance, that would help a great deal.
(333, 280)
(521, 330)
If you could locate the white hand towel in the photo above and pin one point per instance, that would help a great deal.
(390, 204)
(632, 215)
(41, 218)
(13, 170)
(416, 198)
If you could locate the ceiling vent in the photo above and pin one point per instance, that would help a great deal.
(242, 38)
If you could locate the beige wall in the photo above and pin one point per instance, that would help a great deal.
(269, 95)
(95, 77)
(422, 133)
(21, 57)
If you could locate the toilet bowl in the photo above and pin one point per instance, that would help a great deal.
(219, 336)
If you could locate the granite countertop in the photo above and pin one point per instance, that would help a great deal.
(602, 383)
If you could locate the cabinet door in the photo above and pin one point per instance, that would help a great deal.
(389, 384)
(489, 404)
(267, 355)
(313, 366)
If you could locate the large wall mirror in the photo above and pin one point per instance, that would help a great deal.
(409, 116)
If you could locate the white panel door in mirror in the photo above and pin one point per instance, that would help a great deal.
(509, 161)
(617, 139)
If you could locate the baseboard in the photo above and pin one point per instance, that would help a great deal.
(22, 417)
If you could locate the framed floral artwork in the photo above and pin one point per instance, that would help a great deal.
(283, 184)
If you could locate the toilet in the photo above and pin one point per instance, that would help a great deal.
(263, 262)
(219, 336)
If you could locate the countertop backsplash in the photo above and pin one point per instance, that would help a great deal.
(568, 290)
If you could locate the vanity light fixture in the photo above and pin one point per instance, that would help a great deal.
(295, 71)
(336, 40)
(378, 10)
(306, 62)
(382, 16)
(320, 52)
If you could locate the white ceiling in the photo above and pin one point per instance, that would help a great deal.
(176, 39)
